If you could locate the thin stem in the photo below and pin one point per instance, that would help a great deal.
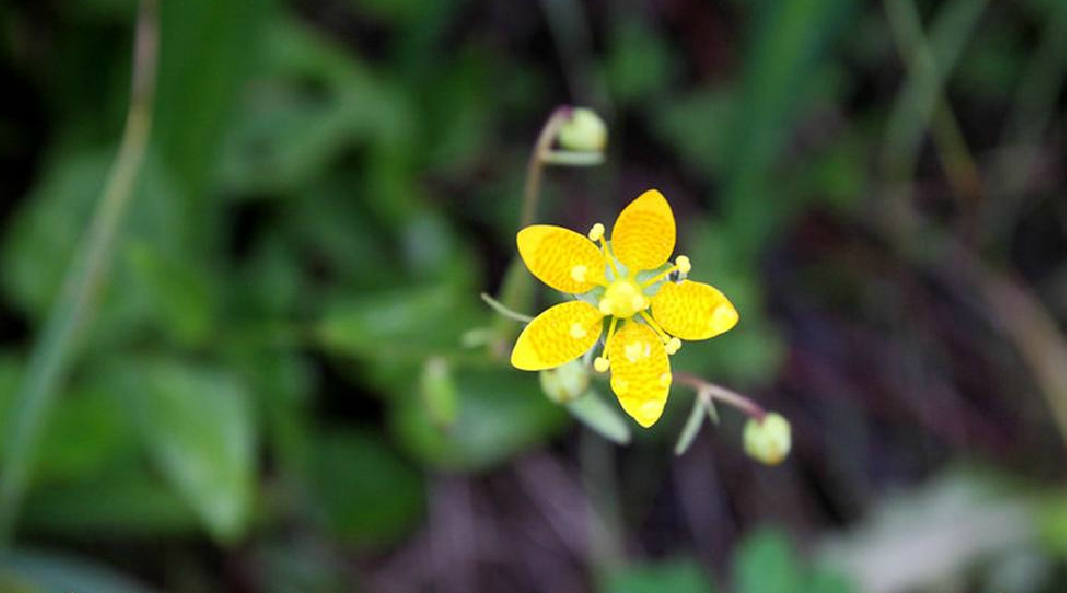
(51, 354)
(506, 312)
(531, 192)
(722, 394)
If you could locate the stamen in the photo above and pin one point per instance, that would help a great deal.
(672, 346)
(682, 261)
(602, 363)
(659, 331)
(607, 254)
(596, 232)
(681, 264)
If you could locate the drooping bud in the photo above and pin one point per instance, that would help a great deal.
(565, 383)
(583, 132)
(768, 440)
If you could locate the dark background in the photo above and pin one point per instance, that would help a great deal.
(280, 390)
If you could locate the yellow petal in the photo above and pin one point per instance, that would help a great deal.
(561, 258)
(693, 310)
(560, 334)
(643, 237)
(640, 372)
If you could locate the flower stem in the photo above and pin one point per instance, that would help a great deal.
(706, 389)
(515, 293)
(539, 157)
(500, 308)
(51, 354)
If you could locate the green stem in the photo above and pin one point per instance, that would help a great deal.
(516, 292)
(51, 353)
(500, 308)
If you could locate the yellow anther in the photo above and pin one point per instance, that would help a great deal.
(601, 364)
(682, 262)
(604, 306)
(666, 378)
(577, 331)
(672, 346)
(596, 232)
(578, 273)
(620, 386)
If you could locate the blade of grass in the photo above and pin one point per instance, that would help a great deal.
(929, 63)
(51, 353)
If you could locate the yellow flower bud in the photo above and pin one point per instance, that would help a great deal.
(583, 132)
(565, 383)
(768, 441)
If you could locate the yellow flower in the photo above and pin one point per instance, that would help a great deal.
(626, 285)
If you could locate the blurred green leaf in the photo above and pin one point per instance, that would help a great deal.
(43, 236)
(197, 424)
(58, 572)
(114, 504)
(786, 49)
(298, 567)
(368, 495)
(603, 417)
(208, 52)
(703, 154)
(181, 291)
(438, 390)
(400, 324)
(87, 433)
(314, 100)
(640, 63)
(501, 412)
(692, 426)
(682, 575)
(765, 563)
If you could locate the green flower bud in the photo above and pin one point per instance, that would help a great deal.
(565, 383)
(768, 441)
(583, 132)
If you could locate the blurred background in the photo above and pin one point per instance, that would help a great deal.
(285, 386)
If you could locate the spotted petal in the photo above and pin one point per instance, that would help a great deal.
(643, 237)
(561, 258)
(640, 372)
(558, 335)
(693, 310)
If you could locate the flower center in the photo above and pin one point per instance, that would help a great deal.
(623, 299)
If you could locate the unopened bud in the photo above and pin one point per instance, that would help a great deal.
(768, 440)
(565, 383)
(583, 132)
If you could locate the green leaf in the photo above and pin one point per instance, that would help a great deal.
(197, 424)
(209, 51)
(766, 563)
(182, 293)
(58, 572)
(682, 575)
(501, 413)
(404, 323)
(367, 495)
(601, 416)
(640, 63)
(438, 390)
(35, 261)
(120, 504)
(84, 435)
(692, 426)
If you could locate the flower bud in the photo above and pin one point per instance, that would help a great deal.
(565, 383)
(583, 132)
(768, 440)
